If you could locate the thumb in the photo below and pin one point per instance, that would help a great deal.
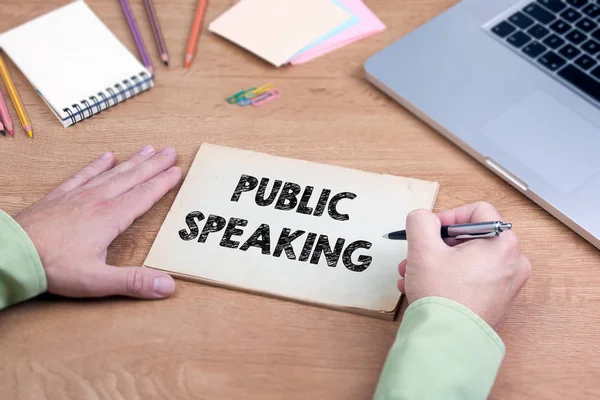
(423, 230)
(139, 282)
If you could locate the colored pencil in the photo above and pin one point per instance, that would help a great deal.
(2, 131)
(195, 33)
(14, 96)
(5, 116)
(158, 36)
(137, 37)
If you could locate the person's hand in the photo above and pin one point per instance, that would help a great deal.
(74, 224)
(485, 275)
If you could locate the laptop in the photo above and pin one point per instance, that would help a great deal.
(516, 85)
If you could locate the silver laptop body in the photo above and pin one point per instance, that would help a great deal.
(516, 113)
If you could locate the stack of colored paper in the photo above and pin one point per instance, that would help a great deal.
(295, 31)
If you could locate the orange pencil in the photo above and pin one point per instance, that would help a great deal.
(196, 25)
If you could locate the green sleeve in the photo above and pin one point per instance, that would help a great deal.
(442, 351)
(21, 273)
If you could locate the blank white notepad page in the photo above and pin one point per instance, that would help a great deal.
(69, 55)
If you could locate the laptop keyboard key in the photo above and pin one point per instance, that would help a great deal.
(586, 25)
(596, 34)
(596, 72)
(521, 20)
(577, 3)
(576, 36)
(552, 61)
(570, 15)
(539, 13)
(538, 31)
(581, 80)
(591, 47)
(503, 29)
(585, 62)
(553, 41)
(560, 27)
(591, 10)
(569, 52)
(518, 39)
(534, 49)
(553, 5)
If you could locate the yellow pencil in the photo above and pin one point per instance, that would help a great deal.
(14, 96)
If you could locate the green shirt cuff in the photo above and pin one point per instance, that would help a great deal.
(472, 321)
(22, 275)
(442, 350)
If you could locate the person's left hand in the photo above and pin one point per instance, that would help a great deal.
(74, 224)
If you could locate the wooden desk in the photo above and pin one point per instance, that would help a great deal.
(210, 343)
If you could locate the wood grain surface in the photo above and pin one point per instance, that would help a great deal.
(211, 343)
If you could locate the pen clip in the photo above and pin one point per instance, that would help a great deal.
(477, 235)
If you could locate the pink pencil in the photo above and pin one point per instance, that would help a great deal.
(6, 116)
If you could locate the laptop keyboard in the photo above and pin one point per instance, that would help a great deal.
(560, 36)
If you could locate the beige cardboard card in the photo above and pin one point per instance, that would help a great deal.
(276, 30)
(289, 228)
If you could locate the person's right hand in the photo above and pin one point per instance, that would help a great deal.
(484, 275)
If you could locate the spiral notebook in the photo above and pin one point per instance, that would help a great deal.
(75, 63)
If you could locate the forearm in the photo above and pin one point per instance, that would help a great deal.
(21, 273)
(442, 351)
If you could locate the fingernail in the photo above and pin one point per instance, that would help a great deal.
(167, 150)
(146, 150)
(106, 155)
(173, 169)
(164, 286)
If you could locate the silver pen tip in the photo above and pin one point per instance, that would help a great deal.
(385, 236)
(505, 227)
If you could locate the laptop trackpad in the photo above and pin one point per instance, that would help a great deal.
(550, 139)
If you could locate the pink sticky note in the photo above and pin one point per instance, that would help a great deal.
(369, 24)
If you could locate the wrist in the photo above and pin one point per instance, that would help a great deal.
(19, 263)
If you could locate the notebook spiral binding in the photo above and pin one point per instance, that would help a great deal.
(111, 96)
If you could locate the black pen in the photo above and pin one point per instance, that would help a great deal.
(463, 231)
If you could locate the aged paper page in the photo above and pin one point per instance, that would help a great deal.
(290, 228)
